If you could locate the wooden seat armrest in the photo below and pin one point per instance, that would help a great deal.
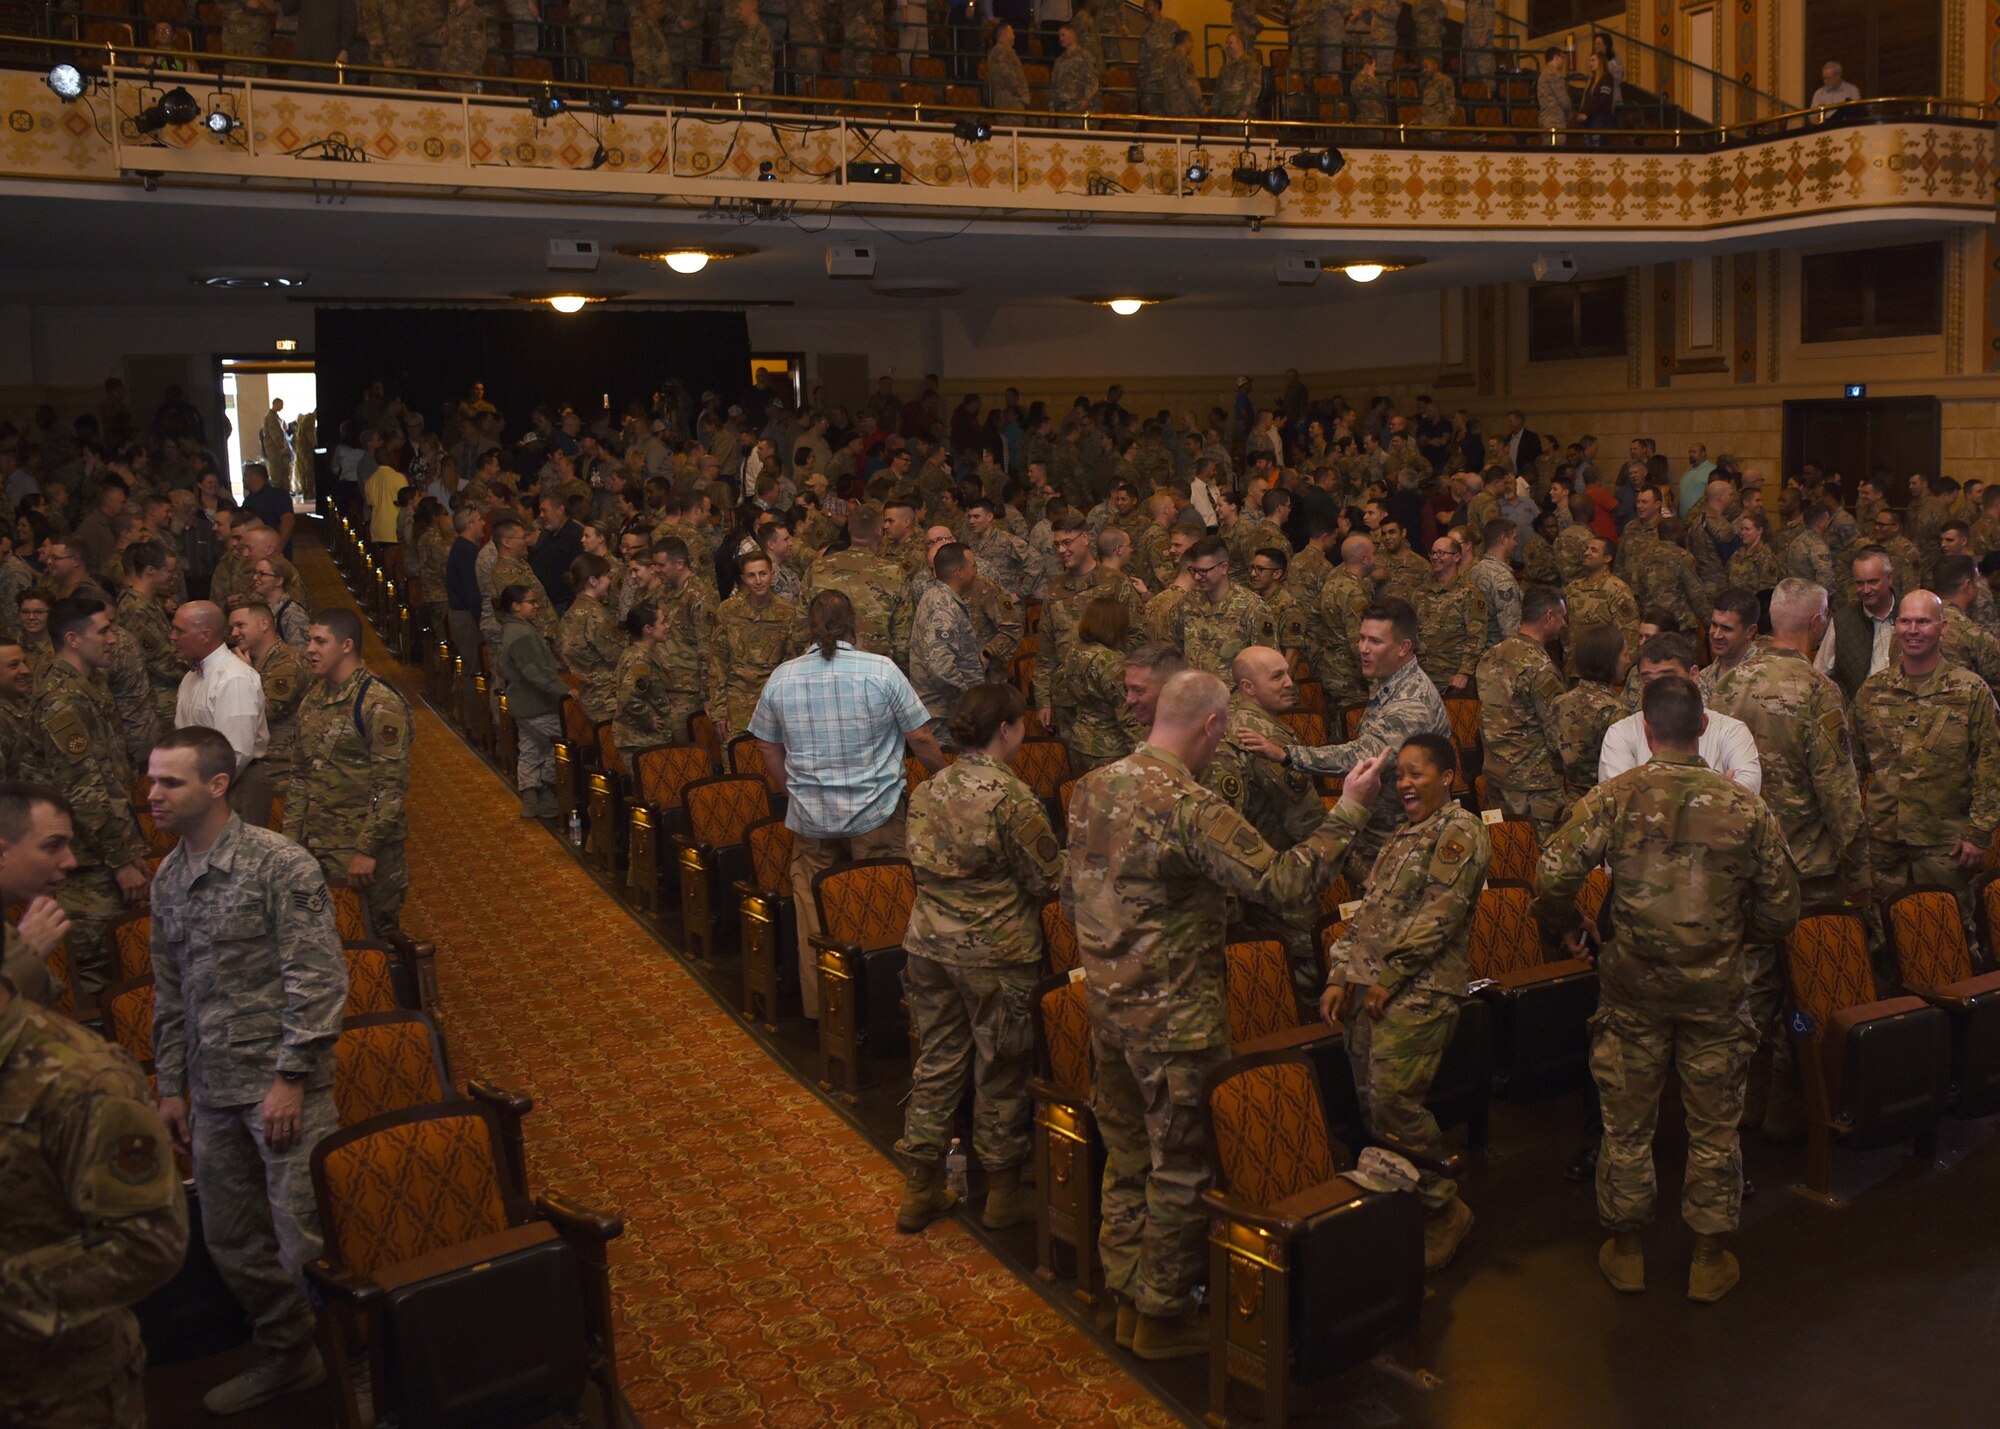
(338, 1285)
(1235, 1208)
(1042, 1089)
(576, 1220)
(508, 1104)
(1516, 978)
(1290, 1040)
(823, 944)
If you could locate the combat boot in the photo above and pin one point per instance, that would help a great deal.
(271, 1377)
(1444, 1229)
(1104, 1314)
(1008, 1203)
(925, 1197)
(1623, 1261)
(1128, 1323)
(1170, 1337)
(1714, 1272)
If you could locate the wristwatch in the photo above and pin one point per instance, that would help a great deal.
(292, 1076)
(1286, 762)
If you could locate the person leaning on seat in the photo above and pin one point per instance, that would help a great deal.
(985, 858)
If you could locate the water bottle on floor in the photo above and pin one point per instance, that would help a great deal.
(954, 1169)
(575, 828)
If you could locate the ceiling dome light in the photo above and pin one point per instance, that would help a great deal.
(67, 82)
(1125, 307)
(1364, 272)
(567, 302)
(691, 261)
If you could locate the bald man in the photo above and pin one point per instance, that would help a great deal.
(1928, 736)
(223, 693)
(1336, 620)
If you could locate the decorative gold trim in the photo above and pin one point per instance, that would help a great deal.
(1954, 304)
(1770, 297)
(1954, 49)
(1635, 335)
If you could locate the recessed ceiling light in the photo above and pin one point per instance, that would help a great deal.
(567, 302)
(1126, 304)
(1125, 307)
(1367, 270)
(1364, 272)
(251, 280)
(685, 258)
(692, 261)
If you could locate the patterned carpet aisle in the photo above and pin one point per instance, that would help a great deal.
(760, 1279)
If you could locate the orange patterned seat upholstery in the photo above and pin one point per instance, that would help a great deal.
(1043, 765)
(1333, 895)
(1876, 1071)
(864, 908)
(1988, 890)
(745, 757)
(577, 728)
(1541, 1009)
(1307, 726)
(866, 904)
(384, 1062)
(1064, 1023)
(371, 985)
(1069, 1154)
(608, 754)
(1591, 897)
(57, 963)
(663, 773)
(709, 858)
(410, 1184)
(1516, 851)
(350, 914)
(1259, 984)
(1505, 937)
(1270, 1140)
(128, 1016)
(1059, 936)
(1462, 711)
(132, 945)
(1063, 793)
(721, 807)
(770, 844)
(1927, 932)
(1929, 939)
(1350, 721)
(1312, 697)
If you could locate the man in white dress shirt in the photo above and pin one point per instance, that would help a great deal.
(223, 693)
(1726, 744)
(1875, 617)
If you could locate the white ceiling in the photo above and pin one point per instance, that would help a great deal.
(103, 245)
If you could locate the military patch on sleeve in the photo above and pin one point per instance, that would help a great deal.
(311, 900)
(390, 735)
(1452, 851)
(1047, 849)
(135, 1159)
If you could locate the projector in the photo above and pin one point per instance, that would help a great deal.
(573, 255)
(1298, 272)
(850, 260)
(1556, 267)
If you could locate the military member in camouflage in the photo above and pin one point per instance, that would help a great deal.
(1153, 858)
(1073, 81)
(752, 62)
(1428, 23)
(1928, 737)
(142, 624)
(1246, 22)
(510, 567)
(655, 63)
(1662, 576)
(1732, 636)
(1519, 690)
(873, 585)
(79, 750)
(754, 634)
(346, 799)
(246, 30)
(1440, 99)
(1217, 619)
(1401, 970)
(17, 687)
(1492, 575)
(985, 858)
(1348, 591)
(463, 45)
(1672, 978)
(1180, 91)
(1966, 643)
(1270, 569)
(1583, 713)
(861, 32)
(1367, 95)
(1320, 39)
(1400, 573)
(250, 988)
(1799, 721)
(1599, 598)
(1102, 726)
(391, 29)
(1004, 558)
(526, 671)
(1283, 805)
(587, 638)
(1929, 508)
(1083, 577)
(945, 658)
(1239, 84)
(95, 1220)
(1405, 703)
(1476, 38)
(805, 38)
(1807, 555)
(1156, 48)
(648, 711)
(1451, 621)
(1755, 566)
(254, 635)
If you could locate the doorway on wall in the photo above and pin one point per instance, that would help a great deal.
(1884, 438)
(249, 385)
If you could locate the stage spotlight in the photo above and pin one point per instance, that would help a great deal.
(545, 106)
(972, 131)
(67, 82)
(609, 104)
(1319, 161)
(1272, 181)
(764, 172)
(1196, 173)
(221, 123)
(180, 107)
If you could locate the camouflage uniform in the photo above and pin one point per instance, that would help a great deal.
(752, 69)
(1074, 84)
(77, 748)
(1921, 523)
(1672, 976)
(1062, 608)
(1711, 541)
(250, 983)
(586, 26)
(997, 624)
(590, 642)
(656, 63)
(1288, 618)
(1180, 91)
(1429, 24)
(1799, 721)
(508, 571)
(142, 624)
(1005, 559)
(1411, 937)
(985, 858)
(390, 27)
(1285, 807)
(433, 549)
(1754, 568)
(16, 737)
(1156, 52)
(95, 1221)
(1452, 622)
(1101, 725)
(1244, 17)
(133, 701)
(1245, 539)
(1153, 857)
(463, 48)
(1212, 634)
(1494, 580)
(701, 549)
(1368, 100)
(1808, 558)
(347, 791)
(944, 653)
(1440, 101)
(747, 645)
(246, 32)
(1405, 702)
(1601, 599)
(1089, 38)
(1582, 715)
(1663, 577)
(1970, 646)
(1238, 86)
(1380, 18)
(1341, 601)
(1006, 81)
(1401, 572)
(882, 610)
(1519, 688)
(1306, 576)
(654, 704)
(1320, 37)
(861, 31)
(1930, 745)
(805, 36)
(1476, 38)
(1538, 561)
(286, 679)
(1570, 542)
